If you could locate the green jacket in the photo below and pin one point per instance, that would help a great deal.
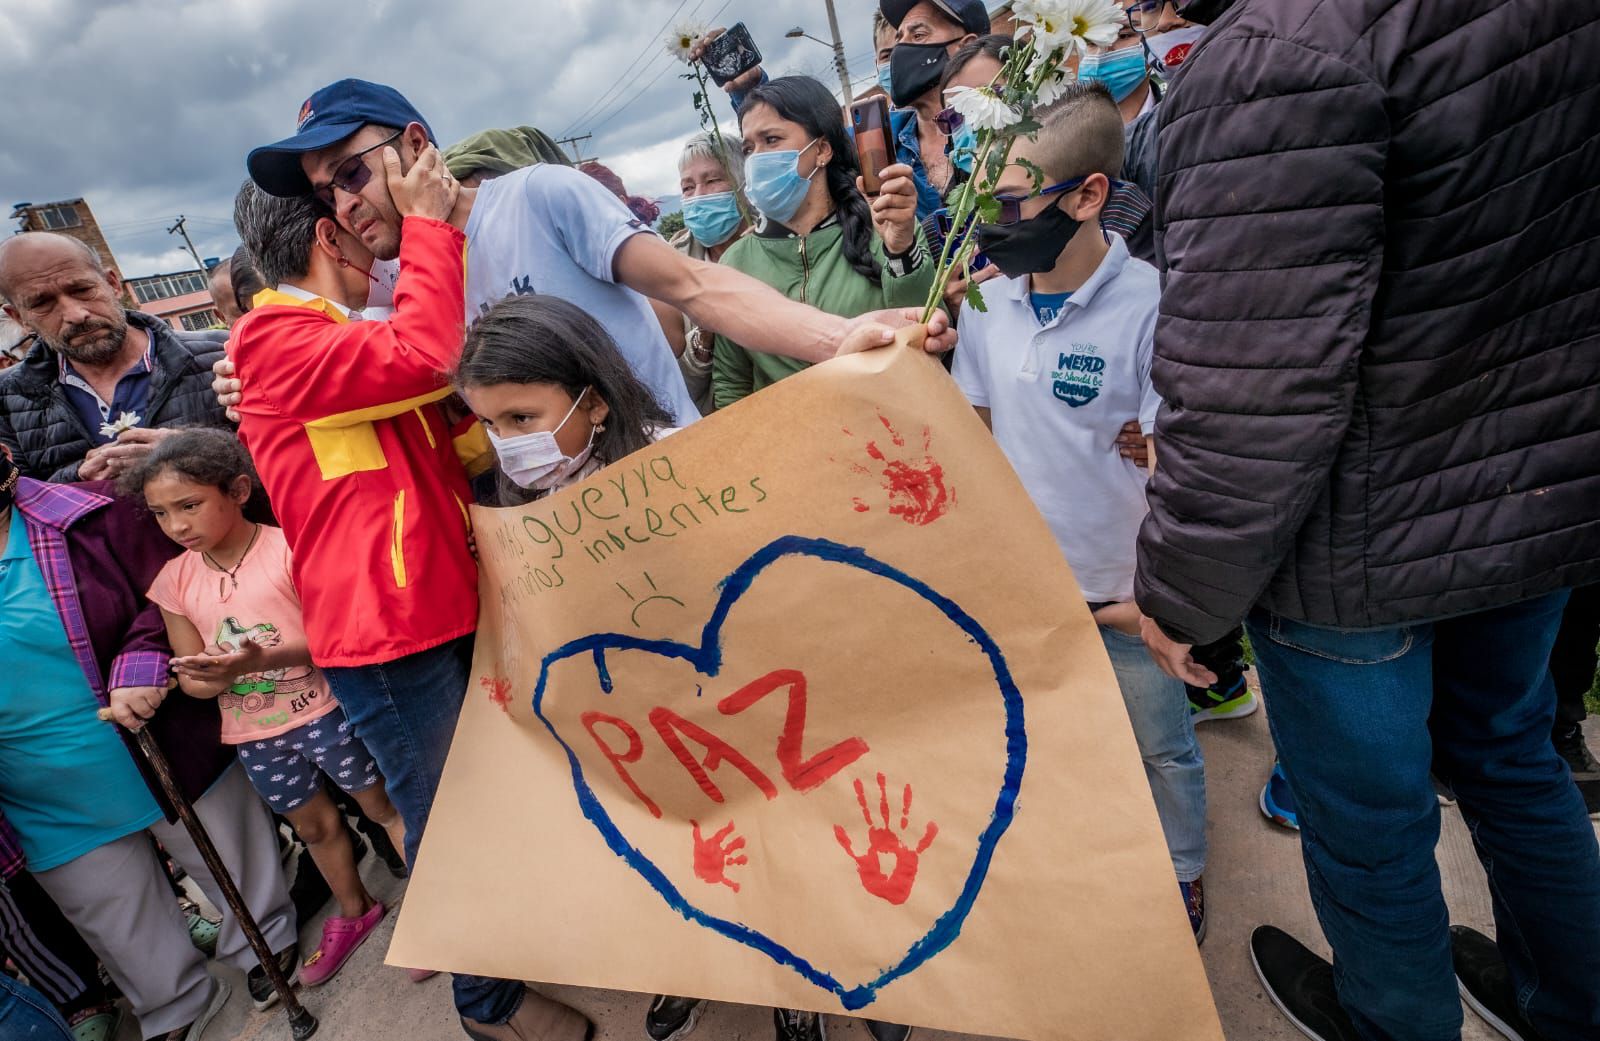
(813, 270)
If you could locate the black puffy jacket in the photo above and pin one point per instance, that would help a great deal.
(49, 438)
(1379, 341)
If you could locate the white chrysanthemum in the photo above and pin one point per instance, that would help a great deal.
(126, 421)
(1070, 23)
(681, 40)
(1053, 84)
(982, 108)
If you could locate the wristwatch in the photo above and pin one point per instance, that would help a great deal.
(697, 348)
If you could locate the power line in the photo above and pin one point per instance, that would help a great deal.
(617, 85)
(642, 90)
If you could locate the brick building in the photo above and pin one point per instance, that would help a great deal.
(67, 217)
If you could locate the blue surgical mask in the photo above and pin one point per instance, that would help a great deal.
(883, 77)
(1121, 71)
(712, 219)
(964, 147)
(773, 183)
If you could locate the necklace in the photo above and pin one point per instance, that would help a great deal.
(224, 591)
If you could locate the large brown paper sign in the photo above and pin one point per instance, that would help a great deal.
(801, 707)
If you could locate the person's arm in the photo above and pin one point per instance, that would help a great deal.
(732, 373)
(186, 640)
(1264, 313)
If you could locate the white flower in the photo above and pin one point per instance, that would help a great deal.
(682, 39)
(126, 421)
(1053, 84)
(1070, 23)
(982, 108)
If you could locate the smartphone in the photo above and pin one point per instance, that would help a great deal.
(938, 228)
(731, 55)
(869, 119)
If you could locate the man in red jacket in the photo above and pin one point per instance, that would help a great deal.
(342, 418)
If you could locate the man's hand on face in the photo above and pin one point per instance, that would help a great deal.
(226, 388)
(425, 190)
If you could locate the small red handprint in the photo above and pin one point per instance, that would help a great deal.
(915, 488)
(715, 855)
(895, 886)
(499, 691)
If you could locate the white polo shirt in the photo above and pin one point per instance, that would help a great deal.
(1058, 395)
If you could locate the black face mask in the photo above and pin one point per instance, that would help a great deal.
(915, 69)
(1028, 247)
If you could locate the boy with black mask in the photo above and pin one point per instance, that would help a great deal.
(1060, 357)
(927, 33)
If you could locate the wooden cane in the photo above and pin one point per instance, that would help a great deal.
(302, 1024)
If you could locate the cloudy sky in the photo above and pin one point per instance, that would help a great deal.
(146, 108)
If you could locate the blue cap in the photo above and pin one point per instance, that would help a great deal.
(970, 15)
(328, 117)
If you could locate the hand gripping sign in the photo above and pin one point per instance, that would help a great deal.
(800, 707)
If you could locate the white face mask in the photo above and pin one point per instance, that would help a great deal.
(535, 460)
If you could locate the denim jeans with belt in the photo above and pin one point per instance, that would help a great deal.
(405, 712)
(1360, 718)
(1158, 708)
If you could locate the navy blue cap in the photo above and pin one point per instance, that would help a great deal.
(971, 15)
(328, 117)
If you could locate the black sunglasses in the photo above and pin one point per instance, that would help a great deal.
(351, 175)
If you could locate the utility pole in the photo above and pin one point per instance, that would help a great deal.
(178, 228)
(577, 153)
(838, 53)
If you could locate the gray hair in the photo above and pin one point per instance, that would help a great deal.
(705, 145)
(277, 232)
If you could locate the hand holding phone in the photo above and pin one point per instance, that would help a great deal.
(730, 54)
(869, 119)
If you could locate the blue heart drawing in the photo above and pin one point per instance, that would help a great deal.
(707, 659)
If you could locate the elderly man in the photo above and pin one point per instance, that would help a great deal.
(100, 382)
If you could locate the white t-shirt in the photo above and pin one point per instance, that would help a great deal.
(1059, 393)
(551, 229)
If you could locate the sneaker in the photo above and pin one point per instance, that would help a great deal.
(793, 1025)
(196, 1031)
(262, 993)
(340, 939)
(882, 1031)
(1485, 983)
(1301, 985)
(1277, 801)
(1571, 746)
(538, 1018)
(1194, 900)
(670, 1018)
(1236, 702)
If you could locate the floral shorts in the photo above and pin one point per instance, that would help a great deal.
(288, 769)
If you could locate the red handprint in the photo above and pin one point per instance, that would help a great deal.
(916, 490)
(499, 691)
(713, 858)
(894, 887)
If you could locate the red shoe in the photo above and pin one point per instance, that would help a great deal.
(340, 938)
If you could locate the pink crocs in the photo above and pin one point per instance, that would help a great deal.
(340, 938)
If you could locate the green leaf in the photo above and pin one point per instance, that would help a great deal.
(975, 297)
(1033, 171)
(988, 208)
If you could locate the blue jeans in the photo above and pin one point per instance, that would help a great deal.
(1158, 708)
(1360, 718)
(26, 1016)
(405, 712)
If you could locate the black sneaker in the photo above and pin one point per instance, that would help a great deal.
(1485, 983)
(794, 1025)
(882, 1031)
(1571, 746)
(262, 993)
(1301, 985)
(670, 1018)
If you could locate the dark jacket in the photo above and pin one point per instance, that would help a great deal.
(1379, 341)
(48, 437)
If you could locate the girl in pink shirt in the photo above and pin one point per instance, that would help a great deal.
(233, 618)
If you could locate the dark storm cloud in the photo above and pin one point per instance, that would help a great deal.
(147, 108)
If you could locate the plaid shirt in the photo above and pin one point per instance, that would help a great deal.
(48, 510)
